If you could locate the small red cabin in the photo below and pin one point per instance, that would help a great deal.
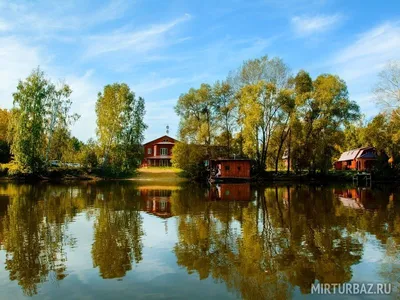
(230, 168)
(158, 152)
(360, 159)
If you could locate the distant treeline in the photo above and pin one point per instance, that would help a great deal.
(264, 112)
(35, 134)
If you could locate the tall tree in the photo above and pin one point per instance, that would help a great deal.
(324, 108)
(39, 107)
(120, 127)
(196, 109)
(259, 105)
(285, 116)
(58, 107)
(29, 137)
(387, 89)
(225, 110)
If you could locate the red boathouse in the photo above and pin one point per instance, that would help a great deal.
(158, 152)
(360, 159)
(229, 169)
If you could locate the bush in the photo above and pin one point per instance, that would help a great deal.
(189, 158)
(12, 169)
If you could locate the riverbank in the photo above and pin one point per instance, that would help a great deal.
(159, 175)
(330, 177)
(171, 176)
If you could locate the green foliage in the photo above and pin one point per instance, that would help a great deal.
(88, 156)
(197, 115)
(39, 107)
(120, 129)
(12, 169)
(270, 113)
(382, 133)
(190, 158)
(323, 108)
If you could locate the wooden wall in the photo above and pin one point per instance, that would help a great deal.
(235, 168)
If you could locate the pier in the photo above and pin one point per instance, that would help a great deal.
(362, 176)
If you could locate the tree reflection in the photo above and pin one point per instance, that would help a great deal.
(117, 233)
(34, 241)
(287, 237)
(261, 242)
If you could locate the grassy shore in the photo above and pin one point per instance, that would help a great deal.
(159, 176)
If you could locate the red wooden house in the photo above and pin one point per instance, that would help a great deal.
(360, 159)
(229, 169)
(158, 152)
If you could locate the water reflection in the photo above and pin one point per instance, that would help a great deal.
(158, 201)
(259, 242)
(34, 236)
(117, 232)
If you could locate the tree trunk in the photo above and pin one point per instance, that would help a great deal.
(289, 158)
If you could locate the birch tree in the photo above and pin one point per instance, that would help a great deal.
(387, 89)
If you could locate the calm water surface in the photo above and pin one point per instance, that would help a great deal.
(123, 241)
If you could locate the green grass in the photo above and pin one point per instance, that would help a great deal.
(160, 170)
(166, 175)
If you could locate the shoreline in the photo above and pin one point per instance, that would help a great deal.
(175, 179)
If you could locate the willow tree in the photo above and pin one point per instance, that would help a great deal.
(120, 127)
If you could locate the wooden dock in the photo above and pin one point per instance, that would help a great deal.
(362, 177)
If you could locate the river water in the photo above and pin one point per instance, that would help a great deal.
(121, 240)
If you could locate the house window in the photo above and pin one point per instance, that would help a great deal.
(148, 150)
(227, 168)
(163, 205)
(164, 151)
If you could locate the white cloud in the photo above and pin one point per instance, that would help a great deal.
(153, 84)
(369, 52)
(16, 60)
(138, 41)
(359, 62)
(307, 25)
(159, 114)
(84, 97)
(50, 20)
(4, 26)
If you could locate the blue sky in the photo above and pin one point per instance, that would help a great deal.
(162, 48)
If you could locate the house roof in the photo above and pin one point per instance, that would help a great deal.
(164, 136)
(352, 154)
(352, 203)
(368, 155)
